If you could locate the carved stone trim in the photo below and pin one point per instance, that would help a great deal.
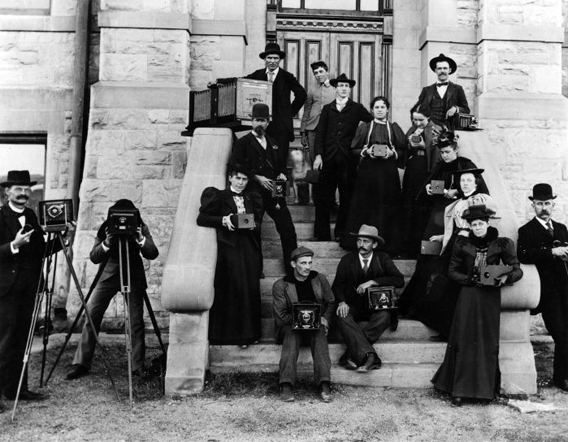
(329, 24)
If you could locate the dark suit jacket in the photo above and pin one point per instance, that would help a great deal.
(455, 96)
(215, 204)
(282, 110)
(9, 262)
(350, 274)
(111, 271)
(534, 247)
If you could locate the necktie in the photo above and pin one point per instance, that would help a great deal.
(271, 77)
(442, 84)
(365, 266)
(550, 229)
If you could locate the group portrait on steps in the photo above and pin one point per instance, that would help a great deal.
(440, 213)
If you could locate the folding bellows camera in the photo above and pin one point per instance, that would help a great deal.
(55, 215)
(123, 221)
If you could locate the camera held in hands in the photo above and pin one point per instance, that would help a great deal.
(55, 215)
(379, 150)
(123, 221)
(280, 188)
(243, 221)
(416, 139)
(437, 187)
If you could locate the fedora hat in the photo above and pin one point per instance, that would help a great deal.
(272, 48)
(478, 211)
(442, 57)
(475, 171)
(260, 110)
(366, 231)
(18, 177)
(342, 79)
(542, 192)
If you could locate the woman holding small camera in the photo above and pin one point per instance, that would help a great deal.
(471, 363)
(379, 145)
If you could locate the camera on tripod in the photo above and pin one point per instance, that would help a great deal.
(55, 215)
(123, 221)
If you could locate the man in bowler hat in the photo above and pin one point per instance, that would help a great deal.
(444, 98)
(544, 243)
(22, 248)
(281, 127)
(255, 152)
(360, 326)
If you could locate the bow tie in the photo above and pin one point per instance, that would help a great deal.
(236, 194)
(442, 84)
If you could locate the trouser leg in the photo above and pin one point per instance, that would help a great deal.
(356, 341)
(320, 356)
(345, 174)
(554, 318)
(289, 355)
(376, 326)
(325, 195)
(284, 226)
(137, 327)
(312, 145)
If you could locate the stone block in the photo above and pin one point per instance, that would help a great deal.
(158, 116)
(139, 139)
(179, 163)
(111, 190)
(517, 366)
(105, 141)
(161, 193)
(515, 325)
(115, 167)
(63, 7)
(123, 67)
(152, 158)
(152, 172)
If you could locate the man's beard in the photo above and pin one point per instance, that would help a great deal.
(259, 130)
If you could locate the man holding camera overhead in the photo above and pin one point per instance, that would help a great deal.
(140, 244)
(22, 247)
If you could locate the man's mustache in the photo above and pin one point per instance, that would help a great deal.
(23, 197)
(259, 130)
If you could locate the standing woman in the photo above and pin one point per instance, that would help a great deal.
(420, 157)
(471, 363)
(376, 194)
(234, 317)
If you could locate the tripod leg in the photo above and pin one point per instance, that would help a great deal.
(47, 316)
(87, 315)
(154, 322)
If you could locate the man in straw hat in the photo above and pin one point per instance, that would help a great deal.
(283, 84)
(360, 326)
(544, 242)
(444, 98)
(22, 248)
(302, 285)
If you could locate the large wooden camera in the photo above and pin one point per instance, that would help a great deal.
(437, 187)
(306, 316)
(54, 215)
(243, 221)
(488, 274)
(123, 221)
(381, 298)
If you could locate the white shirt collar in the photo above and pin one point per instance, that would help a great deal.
(275, 72)
(325, 83)
(15, 209)
(370, 257)
(341, 100)
(543, 222)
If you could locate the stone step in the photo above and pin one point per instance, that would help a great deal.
(304, 231)
(272, 248)
(305, 213)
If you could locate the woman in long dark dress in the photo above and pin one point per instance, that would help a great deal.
(376, 194)
(420, 157)
(471, 363)
(235, 315)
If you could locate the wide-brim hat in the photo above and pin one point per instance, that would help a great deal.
(301, 251)
(479, 211)
(342, 79)
(260, 110)
(272, 48)
(366, 231)
(542, 192)
(238, 168)
(442, 57)
(18, 178)
(475, 171)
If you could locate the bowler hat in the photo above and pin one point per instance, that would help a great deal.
(442, 57)
(299, 252)
(260, 110)
(366, 231)
(478, 211)
(542, 192)
(18, 177)
(475, 171)
(342, 79)
(272, 48)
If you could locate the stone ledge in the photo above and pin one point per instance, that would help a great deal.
(139, 95)
(37, 23)
(144, 20)
(221, 27)
(522, 106)
(447, 34)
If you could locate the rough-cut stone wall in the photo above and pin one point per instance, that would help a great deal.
(565, 48)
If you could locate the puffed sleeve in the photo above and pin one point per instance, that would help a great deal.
(210, 210)
(509, 257)
(458, 270)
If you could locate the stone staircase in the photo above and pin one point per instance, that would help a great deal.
(409, 358)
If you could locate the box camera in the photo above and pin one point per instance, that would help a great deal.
(381, 298)
(54, 215)
(487, 274)
(415, 138)
(430, 247)
(306, 316)
(437, 187)
(379, 150)
(280, 188)
(123, 221)
(312, 176)
(243, 221)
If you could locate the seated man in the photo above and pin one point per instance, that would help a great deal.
(303, 285)
(360, 326)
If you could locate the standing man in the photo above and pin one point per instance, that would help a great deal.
(107, 247)
(320, 95)
(543, 242)
(302, 285)
(360, 326)
(255, 152)
(22, 248)
(335, 131)
(281, 128)
(444, 98)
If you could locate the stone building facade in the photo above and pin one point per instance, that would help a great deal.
(146, 55)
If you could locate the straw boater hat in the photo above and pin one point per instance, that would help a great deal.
(369, 232)
(342, 79)
(18, 178)
(542, 192)
(479, 211)
(272, 48)
(442, 57)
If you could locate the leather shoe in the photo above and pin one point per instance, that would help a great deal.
(368, 365)
(457, 401)
(439, 338)
(78, 371)
(348, 363)
(2, 407)
(562, 384)
(286, 393)
(325, 392)
(26, 395)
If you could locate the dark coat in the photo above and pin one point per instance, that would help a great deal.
(455, 96)
(432, 152)
(350, 274)
(282, 110)
(336, 129)
(534, 247)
